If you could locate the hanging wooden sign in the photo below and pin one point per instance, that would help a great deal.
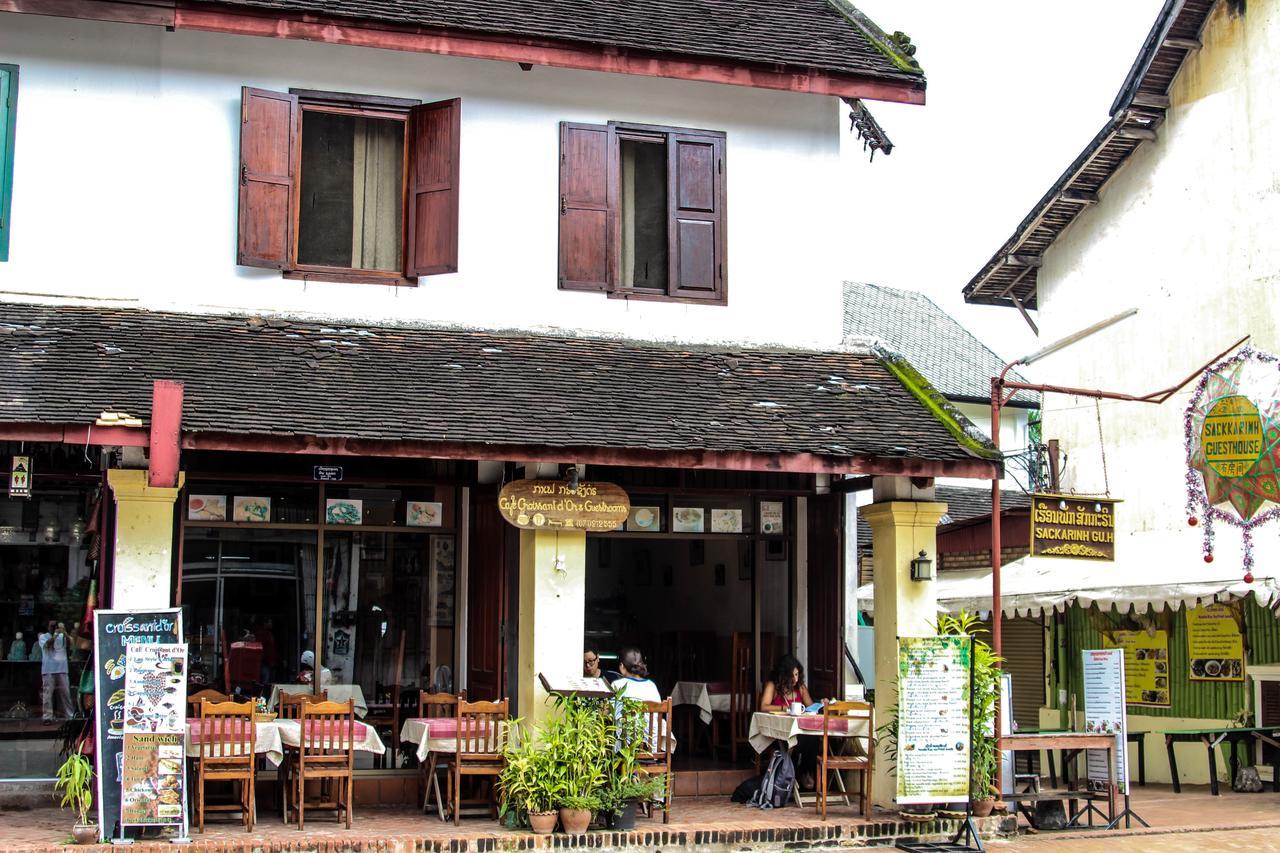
(20, 477)
(553, 505)
(1081, 528)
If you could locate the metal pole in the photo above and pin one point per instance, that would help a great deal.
(997, 392)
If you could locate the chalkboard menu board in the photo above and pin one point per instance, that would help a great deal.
(114, 631)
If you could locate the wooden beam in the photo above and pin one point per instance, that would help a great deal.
(1022, 309)
(1151, 100)
(555, 54)
(158, 14)
(166, 434)
(1145, 134)
(851, 484)
(1078, 197)
(1013, 260)
(1182, 43)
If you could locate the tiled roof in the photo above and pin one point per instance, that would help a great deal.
(829, 35)
(950, 357)
(963, 503)
(272, 376)
(1011, 276)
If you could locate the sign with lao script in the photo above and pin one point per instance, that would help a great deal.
(933, 719)
(556, 505)
(1231, 436)
(1080, 528)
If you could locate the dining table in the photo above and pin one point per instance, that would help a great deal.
(267, 740)
(337, 693)
(709, 698)
(769, 727)
(364, 737)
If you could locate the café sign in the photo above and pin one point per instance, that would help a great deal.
(1081, 528)
(558, 505)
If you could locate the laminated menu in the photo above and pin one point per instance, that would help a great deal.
(933, 719)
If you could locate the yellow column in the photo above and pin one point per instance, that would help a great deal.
(900, 530)
(553, 599)
(144, 541)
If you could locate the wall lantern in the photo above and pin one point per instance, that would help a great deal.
(922, 568)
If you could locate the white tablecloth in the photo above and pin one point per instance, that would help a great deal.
(266, 740)
(366, 737)
(417, 731)
(337, 693)
(696, 693)
(767, 728)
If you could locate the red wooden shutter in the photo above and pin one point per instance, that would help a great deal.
(696, 210)
(586, 216)
(435, 132)
(268, 134)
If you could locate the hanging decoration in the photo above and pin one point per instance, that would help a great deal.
(1231, 431)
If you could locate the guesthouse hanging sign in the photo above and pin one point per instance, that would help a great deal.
(563, 505)
(1080, 528)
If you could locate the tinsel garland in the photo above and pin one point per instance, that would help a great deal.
(1199, 510)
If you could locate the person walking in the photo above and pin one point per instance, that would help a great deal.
(53, 671)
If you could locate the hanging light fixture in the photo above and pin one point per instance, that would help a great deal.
(922, 568)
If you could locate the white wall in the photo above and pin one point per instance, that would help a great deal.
(1014, 438)
(126, 183)
(1185, 232)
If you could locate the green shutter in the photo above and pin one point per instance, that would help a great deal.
(8, 112)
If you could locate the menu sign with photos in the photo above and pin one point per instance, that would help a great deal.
(1146, 665)
(115, 633)
(155, 711)
(1215, 645)
(1104, 712)
(933, 719)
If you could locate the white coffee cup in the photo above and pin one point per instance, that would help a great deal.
(796, 709)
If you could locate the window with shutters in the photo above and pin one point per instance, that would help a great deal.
(348, 187)
(642, 212)
(8, 112)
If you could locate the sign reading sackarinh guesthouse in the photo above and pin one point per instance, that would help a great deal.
(1081, 528)
(559, 505)
(1231, 436)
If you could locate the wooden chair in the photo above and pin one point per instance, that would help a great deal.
(742, 696)
(193, 701)
(326, 753)
(384, 713)
(226, 754)
(840, 717)
(481, 737)
(290, 708)
(656, 760)
(436, 706)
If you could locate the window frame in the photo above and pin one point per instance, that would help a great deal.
(9, 114)
(364, 106)
(667, 135)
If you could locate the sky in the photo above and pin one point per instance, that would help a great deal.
(1016, 90)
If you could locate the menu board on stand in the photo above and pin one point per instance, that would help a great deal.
(153, 781)
(934, 686)
(115, 631)
(1104, 711)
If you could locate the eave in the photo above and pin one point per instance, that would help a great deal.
(801, 463)
(176, 15)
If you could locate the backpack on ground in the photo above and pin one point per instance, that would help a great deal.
(776, 783)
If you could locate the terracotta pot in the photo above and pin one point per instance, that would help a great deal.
(982, 808)
(85, 833)
(543, 823)
(575, 821)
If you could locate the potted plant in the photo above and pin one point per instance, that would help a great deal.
(984, 756)
(577, 742)
(528, 784)
(622, 797)
(625, 786)
(75, 781)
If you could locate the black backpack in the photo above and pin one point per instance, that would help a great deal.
(775, 785)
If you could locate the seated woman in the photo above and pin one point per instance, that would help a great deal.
(786, 685)
(635, 682)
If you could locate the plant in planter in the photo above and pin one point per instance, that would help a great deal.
(984, 757)
(626, 785)
(577, 741)
(75, 781)
(528, 785)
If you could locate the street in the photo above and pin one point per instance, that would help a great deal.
(1262, 838)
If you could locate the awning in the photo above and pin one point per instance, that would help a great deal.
(1161, 570)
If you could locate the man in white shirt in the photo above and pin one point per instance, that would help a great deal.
(53, 671)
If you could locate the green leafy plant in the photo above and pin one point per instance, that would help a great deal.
(75, 781)
(984, 757)
(528, 783)
(589, 803)
(576, 738)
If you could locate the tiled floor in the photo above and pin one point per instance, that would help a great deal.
(705, 822)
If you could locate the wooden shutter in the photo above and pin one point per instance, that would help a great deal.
(435, 135)
(586, 207)
(8, 112)
(826, 596)
(268, 164)
(696, 215)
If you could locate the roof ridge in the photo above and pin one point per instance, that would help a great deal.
(896, 48)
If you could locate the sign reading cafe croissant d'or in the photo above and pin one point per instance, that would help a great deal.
(1081, 528)
(559, 505)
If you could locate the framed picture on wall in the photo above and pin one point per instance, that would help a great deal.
(687, 519)
(442, 580)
